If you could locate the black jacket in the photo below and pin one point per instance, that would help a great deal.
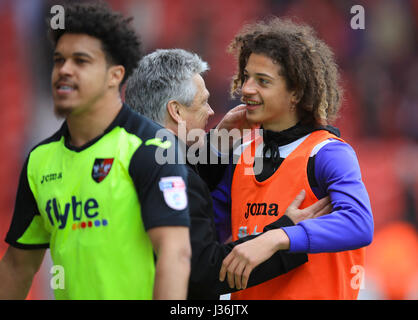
(208, 254)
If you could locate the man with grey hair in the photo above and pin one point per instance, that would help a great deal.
(168, 87)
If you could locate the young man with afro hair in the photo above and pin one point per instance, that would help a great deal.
(288, 80)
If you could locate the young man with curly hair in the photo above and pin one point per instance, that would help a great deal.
(288, 79)
(92, 192)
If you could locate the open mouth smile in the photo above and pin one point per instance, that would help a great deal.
(252, 104)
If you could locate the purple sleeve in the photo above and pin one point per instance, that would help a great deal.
(350, 225)
(221, 197)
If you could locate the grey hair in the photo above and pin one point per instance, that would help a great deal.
(161, 76)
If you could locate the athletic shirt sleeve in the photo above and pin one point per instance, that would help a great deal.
(26, 230)
(350, 225)
(221, 197)
(154, 182)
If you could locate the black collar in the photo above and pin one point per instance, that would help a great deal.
(274, 139)
(291, 134)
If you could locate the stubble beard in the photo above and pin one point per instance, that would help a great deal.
(62, 112)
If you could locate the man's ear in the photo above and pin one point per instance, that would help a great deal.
(116, 75)
(174, 111)
(296, 96)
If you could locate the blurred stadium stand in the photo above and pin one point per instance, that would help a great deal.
(379, 116)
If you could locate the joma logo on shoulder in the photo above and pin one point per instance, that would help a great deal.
(51, 177)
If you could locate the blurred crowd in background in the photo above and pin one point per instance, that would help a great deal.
(379, 115)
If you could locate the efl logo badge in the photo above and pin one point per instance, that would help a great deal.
(101, 169)
(174, 191)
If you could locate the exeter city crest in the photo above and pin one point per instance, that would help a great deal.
(101, 169)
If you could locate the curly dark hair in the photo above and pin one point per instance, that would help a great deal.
(307, 64)
(120, 43)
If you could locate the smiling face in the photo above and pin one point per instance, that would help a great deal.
(265, 93)
(80, 75)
